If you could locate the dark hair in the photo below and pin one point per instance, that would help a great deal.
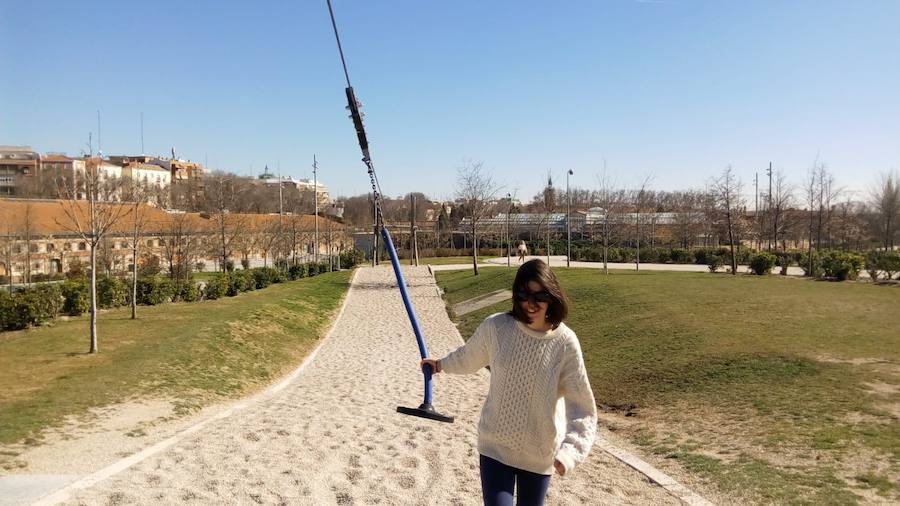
(538, 270)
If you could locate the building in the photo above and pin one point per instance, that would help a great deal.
(57, 170)
(38, 237)
(149, 175)
(302, 185)
(20, 168)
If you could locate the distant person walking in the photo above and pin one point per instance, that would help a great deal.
(539, 415)
(522, 250)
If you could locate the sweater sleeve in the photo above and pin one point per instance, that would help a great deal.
(473, 355)
(581, 410)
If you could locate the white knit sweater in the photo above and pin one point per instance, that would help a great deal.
(530, 372)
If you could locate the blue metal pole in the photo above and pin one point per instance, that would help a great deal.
(426, 371)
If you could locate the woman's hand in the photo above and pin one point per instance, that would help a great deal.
(435, 364)
(560, 469)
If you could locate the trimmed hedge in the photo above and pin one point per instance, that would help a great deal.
(352, 258)
(30, 306)
(35, 305)
(815, 269)
(153, 290)
(762, 263)
(76, 297)
(187, 291)
(297, 271)
(842, 265)
(882, 263)
(111, 292)
(216, 287)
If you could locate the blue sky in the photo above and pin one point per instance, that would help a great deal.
(674, 89)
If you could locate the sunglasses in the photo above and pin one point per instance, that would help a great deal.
(541, 296)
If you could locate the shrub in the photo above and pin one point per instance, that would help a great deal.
(31, 306)
(701, 256)
(245, 263)
(762, 263)
(229, 265)
(40, 277)
(239, 281)
(889, 263)
(814, 270)
(187, 291)
(216, 287)
(842, 265)
(200, 266)
(76, 297)
(152, 291)
(76, 269)
(681, 256)
(323, 267)
(149, 266)
(783, 260)
(873, 264)
(744, 255)
(6, 310)
(714, 262)
(353, 257)
(111, 292)
(297, 271)
(263, 276)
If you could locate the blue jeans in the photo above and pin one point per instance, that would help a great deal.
(498, 481)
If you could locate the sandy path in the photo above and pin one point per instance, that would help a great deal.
(332, 436)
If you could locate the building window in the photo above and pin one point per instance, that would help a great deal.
(51, 246)
(82, 246)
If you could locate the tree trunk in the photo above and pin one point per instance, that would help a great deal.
(134, 257)
(605, 249)
(93, 299)
(474, 248)
(731, 241)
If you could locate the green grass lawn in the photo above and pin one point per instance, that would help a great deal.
(193, 353)
(771, 389)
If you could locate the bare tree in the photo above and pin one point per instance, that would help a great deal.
(92, 219)
(268, 238)
(476, 189)
(611, 202)
(885, 200)
(180, 245)
(549, 202)
(219, 194)
(27, 231)
(640, 200)
(245, 238)
(727, 192)
(7, 247)
(139, 195)
(782, 199)
(688, 217)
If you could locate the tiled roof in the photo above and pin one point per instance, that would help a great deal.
(49, 217)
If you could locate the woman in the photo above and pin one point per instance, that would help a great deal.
(535, 361)
(522, 250)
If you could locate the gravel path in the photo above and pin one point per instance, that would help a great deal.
(332, 436)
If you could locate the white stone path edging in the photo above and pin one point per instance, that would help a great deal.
(64, 493)
(329, 433)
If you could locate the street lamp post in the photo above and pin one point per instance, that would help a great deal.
(568, 214)
(315, 167)
(508, 245)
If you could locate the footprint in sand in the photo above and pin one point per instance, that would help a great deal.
(406, 481)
